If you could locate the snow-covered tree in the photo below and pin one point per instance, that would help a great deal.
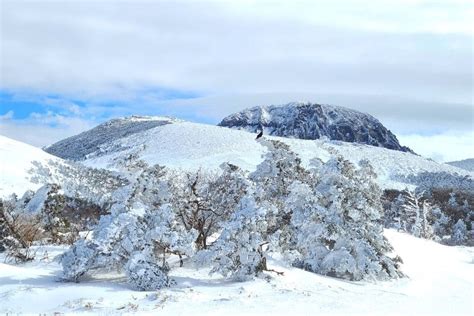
(273, 177)
(416, 214)
(240, 251)
(459, 235)
(205, 201)
(304, 243)
(452, 200)
(393, 212)
(337, 224)
(141, 222)
(55, 223)
(226, 191)
(440, 222)
(277, 171)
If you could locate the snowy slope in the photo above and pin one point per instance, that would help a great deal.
(190, 146)
(79, 146)
(466, 164)
(15, 161)
(440, 282)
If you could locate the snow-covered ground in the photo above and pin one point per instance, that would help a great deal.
(15, 160)
(440, 282)
(191, 146)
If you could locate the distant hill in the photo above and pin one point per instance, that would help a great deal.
(79, 146)
(189, 146)
(466, 164)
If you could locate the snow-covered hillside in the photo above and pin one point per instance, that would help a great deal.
(191, 146)
(15, 160)
(440, 282)
(79, 146)
(466, 164)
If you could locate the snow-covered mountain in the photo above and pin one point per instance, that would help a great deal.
(79, 146)
(313, 121)
(466, 164)
(16, 158)
(180, 144)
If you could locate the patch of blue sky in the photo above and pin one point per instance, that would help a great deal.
(22, 108)
(23, 104)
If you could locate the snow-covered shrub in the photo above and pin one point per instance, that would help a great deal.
(459, 235)
(61, 217)
(226, 190)
(190, 198)
(141, 221)
(164, 228)
(79, 259)
(78, 181)
(204, 201)
(144, 274)
(52, 213)
(337, 224)
(428, 180)
(239, 252)
(18, 230)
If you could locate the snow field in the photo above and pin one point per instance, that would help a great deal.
(440, 282)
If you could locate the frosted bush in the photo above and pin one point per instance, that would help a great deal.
(144, 274)
(79, 259)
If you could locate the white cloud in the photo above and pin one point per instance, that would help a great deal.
(442, 148)
(7, 116)
(402, 16)
(105, 48)
(43, 129)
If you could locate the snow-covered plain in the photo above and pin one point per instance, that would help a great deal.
(440, 282)
(15, 160)
(191, 146)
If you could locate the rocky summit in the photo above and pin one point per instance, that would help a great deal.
(314, 121)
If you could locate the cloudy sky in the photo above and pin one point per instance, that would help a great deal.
(66, 66)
